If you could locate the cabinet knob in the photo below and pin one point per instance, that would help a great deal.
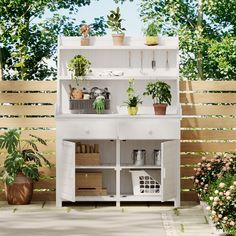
(87, 131)
(150, 132)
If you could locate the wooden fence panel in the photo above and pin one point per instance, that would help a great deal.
(208, 125)
(30, 105)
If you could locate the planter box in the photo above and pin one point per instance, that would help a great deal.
(85, 106)
(87, 159)
(89, 180)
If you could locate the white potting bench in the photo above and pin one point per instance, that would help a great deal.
(117, 133)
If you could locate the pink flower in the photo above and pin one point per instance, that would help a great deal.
(221, 185)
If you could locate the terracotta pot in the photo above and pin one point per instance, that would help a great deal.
(118, 39)
(151, 40)
(20, 192)
(160, 109)
(132, 111)
(84, 42)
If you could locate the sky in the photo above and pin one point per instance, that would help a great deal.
(129, 12)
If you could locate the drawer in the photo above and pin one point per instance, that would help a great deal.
(87, 129)
(149, 129)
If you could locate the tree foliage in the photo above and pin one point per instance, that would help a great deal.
(28, 41)
(206, 29)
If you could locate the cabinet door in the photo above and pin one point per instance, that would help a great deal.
(68, 171)
(170, 169)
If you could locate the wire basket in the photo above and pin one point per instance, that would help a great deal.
(86, 106)
(144, 184)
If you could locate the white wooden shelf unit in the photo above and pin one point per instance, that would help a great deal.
(117, 133)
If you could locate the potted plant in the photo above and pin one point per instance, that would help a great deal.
(99, 104)
(114, 22)
(133, 101)
(21, 166)
(84, 30)
(161, 95)
(80, 67)
(151, 33)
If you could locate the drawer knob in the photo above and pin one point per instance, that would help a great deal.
(87, 131)
(150, 132)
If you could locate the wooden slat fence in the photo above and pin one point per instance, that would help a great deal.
(208, 124)
(30, 105)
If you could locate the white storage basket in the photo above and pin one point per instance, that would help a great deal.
(144, 184)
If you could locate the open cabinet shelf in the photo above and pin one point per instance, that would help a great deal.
(116, 133)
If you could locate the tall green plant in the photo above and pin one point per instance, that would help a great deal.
(114, 21)
(23, 156)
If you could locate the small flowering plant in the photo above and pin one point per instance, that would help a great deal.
(222, 204)
(209, 171)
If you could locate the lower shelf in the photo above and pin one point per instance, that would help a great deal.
(96, 198)
(140, 198)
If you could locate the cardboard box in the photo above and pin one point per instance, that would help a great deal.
(87, 159)
(89, 180)
(91, 192)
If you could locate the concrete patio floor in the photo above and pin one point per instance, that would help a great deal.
(45, 219)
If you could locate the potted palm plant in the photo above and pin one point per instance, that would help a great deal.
(133, 101)
(21, 166)
(114, 22)
(151, 33)
(161, 95)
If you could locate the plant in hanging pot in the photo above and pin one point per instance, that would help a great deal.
(21, 166)
(84, 30)
(161, 95)
(114, 22)
(133, 101)
(151, 33)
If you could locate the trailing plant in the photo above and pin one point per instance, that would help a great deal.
(114, 21)
(99, 104)
(23, 156)
(133, 100)
(79, 66)
(151, 30)
(160, 92)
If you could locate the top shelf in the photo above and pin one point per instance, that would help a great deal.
(105, 43)
(111, 47)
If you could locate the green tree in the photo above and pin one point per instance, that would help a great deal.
(203, 27)
(27, 41)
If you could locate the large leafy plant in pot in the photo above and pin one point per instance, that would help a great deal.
(114, 22)
(161, 95)
(151, 33)
(21, 166)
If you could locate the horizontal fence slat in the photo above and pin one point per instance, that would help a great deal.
(47, 172)
(191, 159)
(186, 184)
(208, 147)
(186, 171)
(208, 123)
(50, 157)
(45, 134)
(41, 184)
(207, 85)
(189, 196)
(28, 85)
(208, 110)
(45, 184)
(208, 134)
(43, 122)
(27, 98)
(27, 110)
(208, 97)
(37, 196)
